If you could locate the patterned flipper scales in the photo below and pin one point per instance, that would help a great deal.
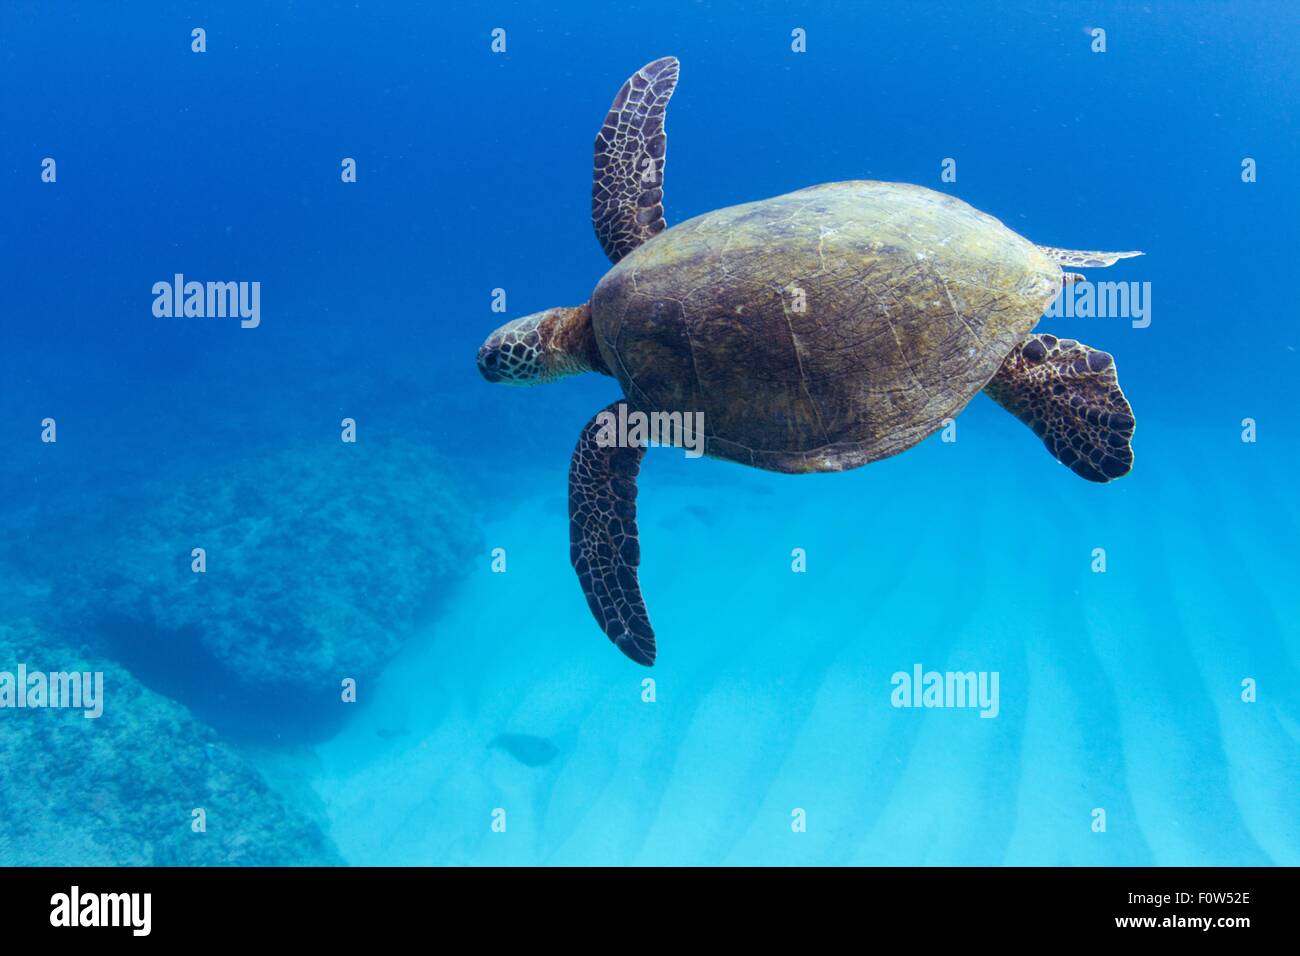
(603, 544)
(1084, 260)
(1069, 395)
(627, 183)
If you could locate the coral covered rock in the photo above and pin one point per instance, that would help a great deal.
(122, 788)
(320, 560)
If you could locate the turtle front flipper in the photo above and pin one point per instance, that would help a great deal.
(1084, 260)
(603, 544)
(627, 183)
(1069, 395)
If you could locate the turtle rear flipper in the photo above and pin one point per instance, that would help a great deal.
(603, 543)
(1069, 395)
(1085, 260)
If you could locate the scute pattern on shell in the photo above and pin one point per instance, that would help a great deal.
(823, 329)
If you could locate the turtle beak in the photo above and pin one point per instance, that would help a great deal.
(489, 360)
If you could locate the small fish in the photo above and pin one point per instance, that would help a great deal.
(708, 518)
(528, 750)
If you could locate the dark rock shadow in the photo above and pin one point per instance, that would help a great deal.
(177, 664)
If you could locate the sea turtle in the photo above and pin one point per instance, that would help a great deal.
(816, 331)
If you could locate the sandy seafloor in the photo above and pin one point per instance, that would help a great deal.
(1118, 691)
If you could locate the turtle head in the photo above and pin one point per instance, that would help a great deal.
(541, 348)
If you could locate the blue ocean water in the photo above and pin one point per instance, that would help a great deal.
(1148, 714)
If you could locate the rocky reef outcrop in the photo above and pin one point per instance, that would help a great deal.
(122, 788)
(319, 560)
